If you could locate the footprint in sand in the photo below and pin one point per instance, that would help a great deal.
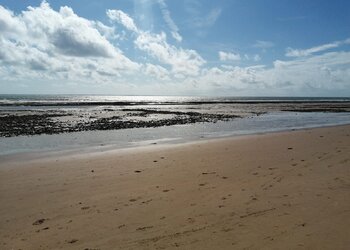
(147, 201)
(143, 228)
(205, 173)
(190, 220)
(39, 222)
(72, 241)
(43, 229)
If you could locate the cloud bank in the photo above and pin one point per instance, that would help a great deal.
(61, 50)
(41, 43)
(228, 56)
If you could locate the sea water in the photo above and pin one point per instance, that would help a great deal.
(267, 122)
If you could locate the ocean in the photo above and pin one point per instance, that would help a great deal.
(42, 100)
(37, 123)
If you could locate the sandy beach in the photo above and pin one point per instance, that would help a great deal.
(288, 190)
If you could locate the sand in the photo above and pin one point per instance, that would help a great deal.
(288, 190)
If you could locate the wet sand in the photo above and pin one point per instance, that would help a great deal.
(29, 118)
(287, 190)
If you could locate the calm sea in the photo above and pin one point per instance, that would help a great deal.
(27, 100)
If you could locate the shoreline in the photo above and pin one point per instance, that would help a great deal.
(155, 144)
(89, 141)
(271, 191)
(47, 116)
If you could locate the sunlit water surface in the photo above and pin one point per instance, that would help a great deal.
(104, 140)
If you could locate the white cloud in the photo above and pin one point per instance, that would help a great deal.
(228, 56)
(182, 61)
(235, 77)
(307, 52)
(327, 71)
(256, 58)
(263, 44)
(170, 22)
(9, 23)
(65, 32)
(176, 36)
(156, 71)
(62, 48)
(46, 44)
(106, 31)
(71, 43)
(321, 75)
(123, 18)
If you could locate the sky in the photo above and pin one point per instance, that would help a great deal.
(175, 47)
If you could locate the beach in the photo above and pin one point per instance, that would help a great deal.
(153, 125)
(286, 190)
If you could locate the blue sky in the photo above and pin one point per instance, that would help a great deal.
(182, 47)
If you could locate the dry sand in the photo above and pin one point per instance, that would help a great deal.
(287, 190)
